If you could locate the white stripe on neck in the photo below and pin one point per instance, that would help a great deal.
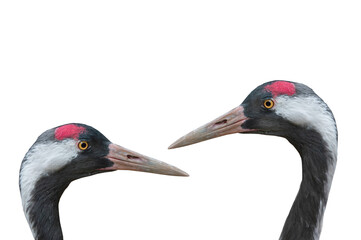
(41, 160)
(312, 113)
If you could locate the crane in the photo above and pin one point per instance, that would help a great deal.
(293, 111)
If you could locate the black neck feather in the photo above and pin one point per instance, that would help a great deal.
(44, 210)
(304, 221)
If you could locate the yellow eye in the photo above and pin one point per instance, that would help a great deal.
(268, 103)
(83, 145)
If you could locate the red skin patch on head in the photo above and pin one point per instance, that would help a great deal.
(281, 88)
(68, 131)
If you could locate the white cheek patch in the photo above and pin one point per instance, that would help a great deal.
(43, 159)
(309, 112)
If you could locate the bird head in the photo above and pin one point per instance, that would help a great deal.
(293, 111)
(66, 153)
(73, 151)
(78, 150)
(279, 108)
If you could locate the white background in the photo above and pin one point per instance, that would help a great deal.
(145, 73)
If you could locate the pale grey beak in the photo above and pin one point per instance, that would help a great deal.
(125, 159)
(229, 123)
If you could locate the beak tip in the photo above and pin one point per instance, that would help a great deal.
(183, 141)
(172, 146)
(179, 173)
(176, 144)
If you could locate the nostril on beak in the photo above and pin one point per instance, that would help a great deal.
(224, 121)
(131, 157)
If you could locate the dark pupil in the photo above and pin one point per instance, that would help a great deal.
(83, 145)
(268, 103)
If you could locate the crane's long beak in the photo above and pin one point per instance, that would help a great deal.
(229, 123)
(125, 159)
